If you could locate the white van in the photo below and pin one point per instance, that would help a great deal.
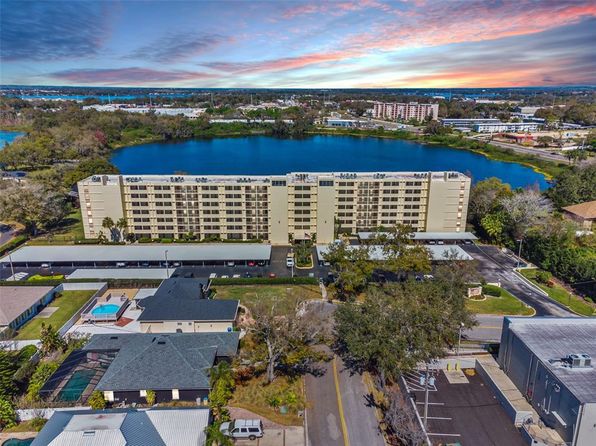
(290, 260)
(251, 429)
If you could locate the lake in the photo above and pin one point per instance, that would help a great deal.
(6, 137)
(263, 155)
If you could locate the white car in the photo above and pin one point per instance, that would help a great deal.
(225, 276)
(251, 429)
(236, 276)
(212, 276)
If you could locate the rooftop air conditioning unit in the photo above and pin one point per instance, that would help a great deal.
(579, 360)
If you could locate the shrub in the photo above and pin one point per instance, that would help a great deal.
(8, 416)
(491, 290)
(150, 397)
(96, 400)
(145, 240)
(543, 276)
(166, 240)
(42, 373)
(13, 244)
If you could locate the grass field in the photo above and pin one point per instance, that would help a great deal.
(68, 303)
(561, 295)
(281, 295)
(37, 277)
(507, 304)
(255, 396)
(70, 230)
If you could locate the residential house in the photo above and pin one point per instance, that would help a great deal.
(18, 304)
(584, 214)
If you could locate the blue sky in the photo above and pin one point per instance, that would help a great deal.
(366, 43)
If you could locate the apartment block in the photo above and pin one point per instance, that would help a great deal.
(277, 208)
(405, 112)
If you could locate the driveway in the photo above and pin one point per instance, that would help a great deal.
(496, 266)
(338, 413)
(488, 329)
(6, 233)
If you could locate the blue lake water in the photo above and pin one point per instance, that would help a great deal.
(262, 155)
(6, 137)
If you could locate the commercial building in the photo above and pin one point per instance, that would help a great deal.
(181, 306)
(584, 214)
(550, 361)
(182, 426)
(405, 112)
(506, 127)
(467, 123)
(275, 208)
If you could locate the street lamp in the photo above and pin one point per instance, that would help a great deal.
(167, 269)
(519, 253)
(11, 267)
(461, 325)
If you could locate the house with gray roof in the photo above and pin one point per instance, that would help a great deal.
(18, 304)
(126, 427)
(181, 305)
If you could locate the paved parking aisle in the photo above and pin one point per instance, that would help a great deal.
(462, 409)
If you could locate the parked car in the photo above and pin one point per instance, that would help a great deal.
(45, 265)
(440, 242)
(272, 275)
(189, 275)
(212, 275)
(261, 263)
(251, 263)
(248, 275)
(145, 264)
(251, 429)
(176, 264)
(225, 276)
(236, 276)
(229, 263)
(119, 264)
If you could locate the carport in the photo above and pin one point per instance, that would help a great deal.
(175, 254)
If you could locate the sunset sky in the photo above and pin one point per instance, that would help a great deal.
(367, 43)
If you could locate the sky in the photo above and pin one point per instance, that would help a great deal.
(299, 44)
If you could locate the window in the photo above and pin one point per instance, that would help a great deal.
(326, 183)
(108, 395)
(143, 393)
(175, 394)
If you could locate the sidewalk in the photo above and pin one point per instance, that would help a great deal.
(274, 434)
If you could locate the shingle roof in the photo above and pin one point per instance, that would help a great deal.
(15, 300)
(152, 427)
(146, 361)
(584, 210)
(183, 300)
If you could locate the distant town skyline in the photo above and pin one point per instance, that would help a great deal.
(283, 44)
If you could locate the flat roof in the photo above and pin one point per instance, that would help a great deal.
(15, 300)
(121, 273)
(427, 235)
(554, 339)
(141, 252)
(437, 252)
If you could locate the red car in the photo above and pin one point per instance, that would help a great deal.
(251, 263)
(272, 275)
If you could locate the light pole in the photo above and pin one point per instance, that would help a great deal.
(521, 240)
(461, 325)
(167, 269)
(11, 267)
(426, 399)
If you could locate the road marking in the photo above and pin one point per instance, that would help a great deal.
(486, 327)
(342, 419)
(443, 435)
(431, 404)
(440, 418)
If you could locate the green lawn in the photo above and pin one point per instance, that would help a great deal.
(269, 294)
(69, 231)
(68, 303)
(38, 277)
(507, 304)
(561, 295)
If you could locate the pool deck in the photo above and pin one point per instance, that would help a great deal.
(18, 435)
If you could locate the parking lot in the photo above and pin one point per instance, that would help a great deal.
(462, 409)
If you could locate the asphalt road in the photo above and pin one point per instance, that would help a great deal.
(489, 329)
(496, 266)
(525, 150)
(6, 233)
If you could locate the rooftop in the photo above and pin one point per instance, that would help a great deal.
(161, 362)
(554, 339)
(142, 252)
(130, 427)
(584, 210)
(15, 300)
(181, 299)
(437, 252)
(293, 177)
(428, 235)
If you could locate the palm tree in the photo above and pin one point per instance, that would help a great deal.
(122, 225)
(108, 223)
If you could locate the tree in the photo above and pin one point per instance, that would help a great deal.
(524, 210)
(399, 326)
(31, 205)
(494, 225)
(485, 197)
(400, 253)
(573, 186)
(8, 416)
(43, 372)
(50, 340)
(122, 226)
(96, 400)
(8, 367)
(436, 128)
(88, 167)
(401, 420)
(544, 141)
(284, 331)
(108, 223)
(222, 387)
(351, 267)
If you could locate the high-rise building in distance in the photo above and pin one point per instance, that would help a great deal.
(276, 208)
(405, 112)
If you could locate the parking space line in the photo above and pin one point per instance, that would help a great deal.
(442, 435)
(430, 404)
(440, 418)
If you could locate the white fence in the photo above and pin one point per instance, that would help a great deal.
(101, 287)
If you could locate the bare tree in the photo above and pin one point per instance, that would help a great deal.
(401, 420)
(526, 209)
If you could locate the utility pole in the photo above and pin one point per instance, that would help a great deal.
(167, 267)
(426, 399)
(461, 325)
(521, 240)
(11, 267)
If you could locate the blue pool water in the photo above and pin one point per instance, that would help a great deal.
(263, 155)
(18, 442)
(76, 385)
(105, 309)
(6, 137)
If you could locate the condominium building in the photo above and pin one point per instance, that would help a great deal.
(276, 208)
(405, 112)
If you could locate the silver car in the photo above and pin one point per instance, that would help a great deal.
(251, 429)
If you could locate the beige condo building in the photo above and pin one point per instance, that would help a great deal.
(275, 208)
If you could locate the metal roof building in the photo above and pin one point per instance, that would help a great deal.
(437, 252)
(126, 427)
(550, 362)
(190, 253)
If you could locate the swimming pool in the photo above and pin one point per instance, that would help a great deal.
(105, 309)
(18, 442)
(76, 385)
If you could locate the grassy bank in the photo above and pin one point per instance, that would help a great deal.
(561, 295)
(547, 168)
(280, 295)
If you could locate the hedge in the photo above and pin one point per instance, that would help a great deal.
(113, 283)
(13, 244)
(266, 281)
(491, 290)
